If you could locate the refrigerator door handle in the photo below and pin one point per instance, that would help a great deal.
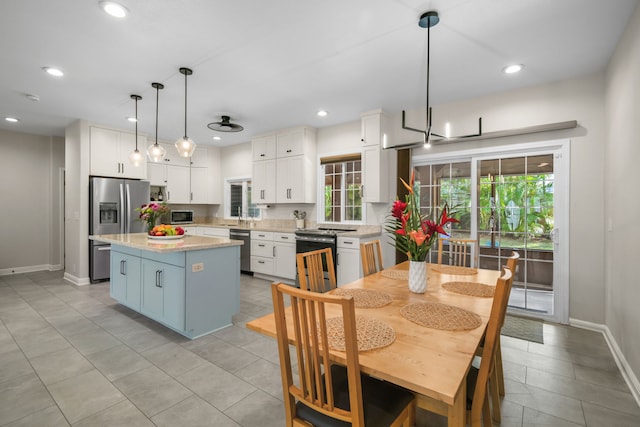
(128, 209)
(122, 209)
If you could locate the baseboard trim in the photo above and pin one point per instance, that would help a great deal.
(625, 369)
(79, 281)
(27, 269)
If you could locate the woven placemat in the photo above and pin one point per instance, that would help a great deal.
(396, 274)
(436, 315)
(366, 298)
(470, 288)
(454, 269)
(371, 333)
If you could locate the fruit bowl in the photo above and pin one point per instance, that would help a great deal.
(166, 232)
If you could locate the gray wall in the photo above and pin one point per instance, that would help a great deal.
(622, 197)
(30, 214)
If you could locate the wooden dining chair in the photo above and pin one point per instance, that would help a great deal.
(323, 393)
(497, 383)
(371, 254)
(311, 270)
(478, 409)
(459, 251)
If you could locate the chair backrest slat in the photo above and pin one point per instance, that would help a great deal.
(371, 254)
(308, 320)
(311, 272)
(460, 250)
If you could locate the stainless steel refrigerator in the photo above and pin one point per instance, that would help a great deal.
(112, 204)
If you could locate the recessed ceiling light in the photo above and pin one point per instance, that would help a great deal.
(511, 69)
(322, 113)
(217, 138)
(53, 71)
(114, 9)
(11, 119)
(132, 119)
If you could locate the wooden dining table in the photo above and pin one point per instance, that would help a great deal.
(432, 363)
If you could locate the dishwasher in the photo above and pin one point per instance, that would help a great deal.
(245, 249)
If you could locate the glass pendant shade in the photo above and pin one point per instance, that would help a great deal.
(155, 152)
(185, 146)
(136, 157)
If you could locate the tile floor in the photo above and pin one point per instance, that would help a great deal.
(72, 356)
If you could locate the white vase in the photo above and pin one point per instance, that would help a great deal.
(418, 277)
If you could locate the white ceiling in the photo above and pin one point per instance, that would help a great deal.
(274, 64)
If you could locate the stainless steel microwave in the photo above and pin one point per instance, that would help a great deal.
(181, 217)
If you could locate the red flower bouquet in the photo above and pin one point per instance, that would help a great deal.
(412, 233)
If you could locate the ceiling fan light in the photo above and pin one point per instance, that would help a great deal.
(156, 152)
(185, 147)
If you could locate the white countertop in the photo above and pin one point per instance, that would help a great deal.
(361, 232)
(185, 243)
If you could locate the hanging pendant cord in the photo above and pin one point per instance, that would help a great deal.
(428, 68)
(185, 105)
(136, 124)
(157, 98)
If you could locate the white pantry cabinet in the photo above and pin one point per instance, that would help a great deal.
(109, 153)
(376, 162)
(264, 147)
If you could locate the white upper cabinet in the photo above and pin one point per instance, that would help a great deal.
(109, 153)
(264, 147)
(291, 142)
(291, 177)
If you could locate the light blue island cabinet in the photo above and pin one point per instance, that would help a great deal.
(191, 285)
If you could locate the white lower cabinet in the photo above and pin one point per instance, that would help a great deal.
(262, 252)
(348, 258)
(284, 255)
(273, 254)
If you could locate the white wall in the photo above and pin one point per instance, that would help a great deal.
(622, 201)
(30, 194)
(579, 99)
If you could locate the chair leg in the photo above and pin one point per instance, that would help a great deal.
(498, 368)
(486, 412)
(495, 397)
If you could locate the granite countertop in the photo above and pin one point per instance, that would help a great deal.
(185, 243)
(362, 231)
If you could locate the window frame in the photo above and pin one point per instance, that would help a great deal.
(245, 180)
(343, 192)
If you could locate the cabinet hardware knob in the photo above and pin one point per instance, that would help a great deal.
(289, 150)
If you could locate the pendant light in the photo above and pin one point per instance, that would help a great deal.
(156, 152)
(136, 156)
(185, 145)
(428, 20)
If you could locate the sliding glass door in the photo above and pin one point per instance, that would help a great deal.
(508, 203)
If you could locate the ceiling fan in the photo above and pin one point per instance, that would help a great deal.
(224, 125)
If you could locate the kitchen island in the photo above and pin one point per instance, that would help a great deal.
(189, 284)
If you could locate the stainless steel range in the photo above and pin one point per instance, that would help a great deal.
(312, 239)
